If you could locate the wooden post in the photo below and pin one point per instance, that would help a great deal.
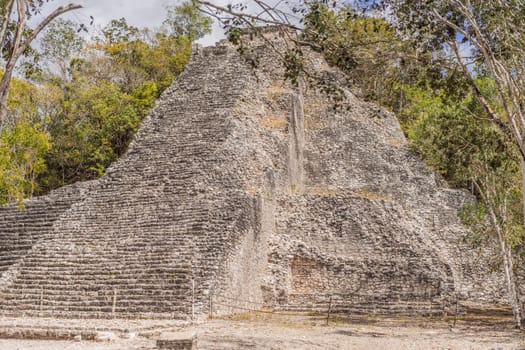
(114, 301)
(456, 314)
(192, 299)
(211, 307)
(329, 311)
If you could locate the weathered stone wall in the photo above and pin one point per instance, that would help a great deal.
(245, 189)
(22, 227)
(358, 216)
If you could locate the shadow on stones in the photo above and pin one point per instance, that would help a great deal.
(359, 334)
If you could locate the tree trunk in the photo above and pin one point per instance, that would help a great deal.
(523, 186)
(497, 120)
(20, 46)
(11, 62)
(4, 91)
(509, 270)
(5, 83)
(521, 306)
(513, 290)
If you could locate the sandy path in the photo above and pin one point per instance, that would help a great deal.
(308, 333)
(242, 335)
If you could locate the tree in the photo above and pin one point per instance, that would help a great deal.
(459, 140)
(59, 44)
(490, 35)
(22, 148)
(70, 124)
(111, 88)
(186, 20)
(94, 129)
(379, 62)
(119, 31)
(16, 37)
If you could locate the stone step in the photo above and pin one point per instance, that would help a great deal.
(102, 313)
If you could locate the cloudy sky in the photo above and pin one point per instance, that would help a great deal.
(140, 13)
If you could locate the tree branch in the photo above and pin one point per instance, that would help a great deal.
(58, 11)
(246, 15)
(479, 95)
(21, 12)
(5, 23)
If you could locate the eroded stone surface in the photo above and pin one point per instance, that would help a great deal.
(242, 187)
(178, 341)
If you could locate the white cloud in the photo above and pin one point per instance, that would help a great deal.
(139, 13)
(143, 13)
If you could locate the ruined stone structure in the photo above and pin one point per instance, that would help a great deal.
(242, 189)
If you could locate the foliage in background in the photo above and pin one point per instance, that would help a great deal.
(17, 33)
(186, 20)
(85, 99)
(21, 160)
(60, 44)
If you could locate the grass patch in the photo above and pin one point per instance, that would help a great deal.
(275, 319)
(274, 121)
(323, 191)
(276, 91)
(372, 196)
(396, 141)
(314, 124)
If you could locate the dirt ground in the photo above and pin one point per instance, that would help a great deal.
(256, 331)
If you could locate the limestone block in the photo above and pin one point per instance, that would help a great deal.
(178, 341)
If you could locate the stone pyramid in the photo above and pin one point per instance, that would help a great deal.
(243, 191)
